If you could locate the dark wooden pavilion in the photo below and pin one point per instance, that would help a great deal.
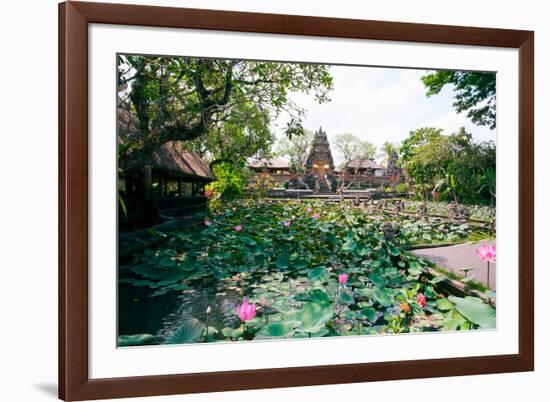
(171, 183)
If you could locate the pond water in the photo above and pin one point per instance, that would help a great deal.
(161, 315)
(142, 313)
(287, 260)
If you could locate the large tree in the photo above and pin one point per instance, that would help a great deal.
(422, 169)
(474, 93)
(297, 149)
(388, 151)
(184, 99)
(352, 149)
(233, 142)
(454, 165)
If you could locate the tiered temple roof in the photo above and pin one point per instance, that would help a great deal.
(320, 151)
(270, 163)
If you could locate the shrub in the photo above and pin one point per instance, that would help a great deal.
(402, 188)
(230, 181)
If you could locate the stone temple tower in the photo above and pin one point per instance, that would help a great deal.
(320, 165)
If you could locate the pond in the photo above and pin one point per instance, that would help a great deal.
(162, 315)
(258, 270)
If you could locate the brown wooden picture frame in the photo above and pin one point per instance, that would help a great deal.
(74, 381)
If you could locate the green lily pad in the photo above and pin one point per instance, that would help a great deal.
(392, 250)
(383, 296)
(453, 323)
(135, 340)
(278, 329)
(322, 332)
(350, 245)
(377, 280)
(316, 273)
(320, 297)
(188, 332)
(415, 268)
(282, 261)
(313, 317)
(248, 240)
(369, 312)
(346, 298)
(444, 304)
(476, 311)
(233, 333)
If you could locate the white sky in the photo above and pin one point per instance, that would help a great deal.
(382, 104)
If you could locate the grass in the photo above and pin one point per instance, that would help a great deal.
(472, 284)
(475, 285)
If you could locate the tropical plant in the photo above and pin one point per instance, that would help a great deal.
(388, 151)
(297, 149)
(299, 269)
(230, 182)
(183, 99)
(475, 93)
(353, 151)
(455, 166)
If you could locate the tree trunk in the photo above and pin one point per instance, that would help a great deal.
(353, 177)
(147, 198)
(301, 181)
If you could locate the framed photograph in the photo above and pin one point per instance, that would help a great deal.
(262, 200)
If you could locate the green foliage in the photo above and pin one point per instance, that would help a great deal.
(230, 181)
(353, 149)
(436, 230)
(402, 188)
(422, 168)
(316, 273)
(297, 149)
(228, 101)
(312, 317)
(234, 142)
(444, 304)
(388, 149)
(291, 272)
(475, 311)
(122, 204)
(475, 92)
(485, 213)
(453, 165)
(136, 340)
(281, 329)
(466, 313)
(190, 331)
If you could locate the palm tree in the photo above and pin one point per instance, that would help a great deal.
(388, 149)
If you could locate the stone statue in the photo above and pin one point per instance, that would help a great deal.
(390, 232)
(423, 211)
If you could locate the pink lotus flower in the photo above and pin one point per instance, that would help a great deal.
(343, 278)
(421, 299)
(308, 209)
(487, 253)
(246, 311)
(316, 216)
(238, 228)
(286, 224)
(207, 222)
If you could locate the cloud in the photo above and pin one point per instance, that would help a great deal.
(382, 104)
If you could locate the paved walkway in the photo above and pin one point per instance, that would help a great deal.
(455, 258)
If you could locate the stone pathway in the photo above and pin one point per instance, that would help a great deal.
(455, 258)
